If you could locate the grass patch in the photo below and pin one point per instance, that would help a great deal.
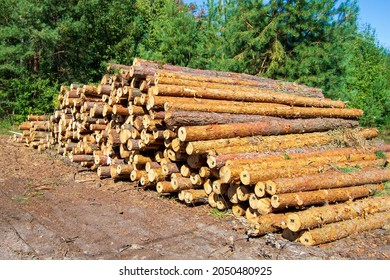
(380, 155)
(385, 192)
(6, 126)
(385, 135)
(348, 169)
(220, 214)
(26, 197)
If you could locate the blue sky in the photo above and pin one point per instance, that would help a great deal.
(374, 12)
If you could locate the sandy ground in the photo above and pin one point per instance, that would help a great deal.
(52, 209)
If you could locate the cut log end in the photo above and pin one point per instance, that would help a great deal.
(182, 134)
(293, 222)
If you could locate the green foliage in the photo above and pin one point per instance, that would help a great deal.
(380, 155)
(348, 169)
(385, 191)
(45, 43)
(219, 214)
(369, 87)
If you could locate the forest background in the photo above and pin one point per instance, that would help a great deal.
(46, 43)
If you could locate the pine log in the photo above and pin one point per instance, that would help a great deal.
(300, 199)
(188, 118)
(273, 143)
(335, 231)
(270, 127)
(233, 172)
(243, 94)
(291, 155)
(219, 188)
(232, 194)
(165, 187)
(37, 118)
(81, 158)
(103, 172)
(180, 184)
(251, 215)
(170, 168)
(124, 169)
(334, 179)
(252, 177)
(267, 223)
(264, 109)
(195, 196)
(207, 186)
(239, 209)
(318, 216)
(137, 174)
(168, 103)
(238, 79)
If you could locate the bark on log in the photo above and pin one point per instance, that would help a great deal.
(267, 223)
(208, 105)
(239, 209)
(103, 172)
(335, 231)
(195, 196)
(180, 184)
(287, 155)
(301, 199)
(188, 118)
(318, 216)
(242, 94)
(280, 142)
(327, 180)
(231, 78)
(270, 127)
(165, 187)
(264, 109)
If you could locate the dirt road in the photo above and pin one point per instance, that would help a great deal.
(51, 209)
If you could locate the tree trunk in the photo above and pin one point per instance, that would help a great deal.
(210, 76)
(327, 180)
(278, 142)
(191, 118)
(255, 158)
(267, 223)
(270, 127)
(165, 187)
(335, 231)
(236, 93)
(318, 216)
(301, 199)
(234, 172)
(264, 109)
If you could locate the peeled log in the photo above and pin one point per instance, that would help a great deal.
(244, 94)
(270, 127)
(317, 216)
(335, 231)
(327, 180)
(264, 109)
(300, 199)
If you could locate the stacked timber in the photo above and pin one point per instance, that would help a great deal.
(36, 132)
(262, 148)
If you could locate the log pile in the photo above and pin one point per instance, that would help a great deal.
(263, 148)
